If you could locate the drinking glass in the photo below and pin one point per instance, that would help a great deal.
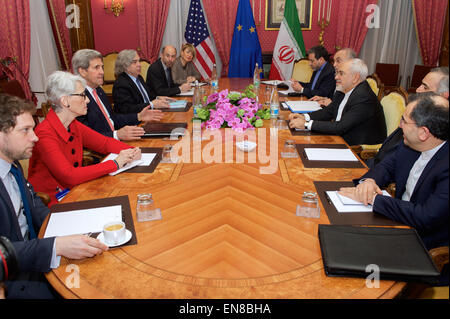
(289, 150)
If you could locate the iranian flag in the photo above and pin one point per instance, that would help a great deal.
(289, 46)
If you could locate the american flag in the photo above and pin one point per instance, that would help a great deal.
(197, 34)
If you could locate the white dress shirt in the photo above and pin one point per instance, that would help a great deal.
(417, 170)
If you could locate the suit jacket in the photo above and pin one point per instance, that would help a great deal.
(362, 120)
(95, 119)
(34, 256)
(325, 85)
(390, 144)
(157, 81)
(427, 210)
(127, 96)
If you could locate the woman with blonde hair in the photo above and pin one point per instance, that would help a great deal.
(183, 69)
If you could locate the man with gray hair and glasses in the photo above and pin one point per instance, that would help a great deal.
(435, 81)
(100, 115)
(356, 115)
(419, 168)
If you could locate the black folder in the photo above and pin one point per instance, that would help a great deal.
(398, 253)
(164, 129)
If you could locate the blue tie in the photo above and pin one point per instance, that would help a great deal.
(26, 206)
(144, 94)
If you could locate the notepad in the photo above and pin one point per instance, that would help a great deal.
(179, 104)
(344, 204)
(188, 93)
(303, 106)
(275, 82)
(82, 221)
(147, 159)
(113, 156)
(330, 154)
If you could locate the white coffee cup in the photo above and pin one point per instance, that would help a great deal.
(114, 232)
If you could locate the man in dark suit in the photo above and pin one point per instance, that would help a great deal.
(130, 92)
(435, 81)
(356, 115)
(22, 212)
(159, 75)
(419, 167)
(100, 115)
(322, 81)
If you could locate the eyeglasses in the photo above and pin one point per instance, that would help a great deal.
(403, 121)
(83, 95)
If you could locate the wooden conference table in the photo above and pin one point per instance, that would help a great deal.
(227, 231)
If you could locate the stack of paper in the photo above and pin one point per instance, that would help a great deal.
(302, 106)
(275, 82)
(178, 104)
(113, 156)
(330, 154)
(188, 93)
(344, 204)
(82, 221)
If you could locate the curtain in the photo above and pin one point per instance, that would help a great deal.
(351, 26)
(43, 53)
(221, 16)
(176, 26)
(429, 17)
(57, 14)
(395, 41)
(15, 39)
(152, 16)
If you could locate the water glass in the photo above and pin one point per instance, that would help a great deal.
(289, 150)
(145, 207)
(166, 154)
(309, 206)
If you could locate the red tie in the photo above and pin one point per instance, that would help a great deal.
(100, 105)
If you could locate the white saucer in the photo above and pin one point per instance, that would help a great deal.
(246, 146)
(128, 236)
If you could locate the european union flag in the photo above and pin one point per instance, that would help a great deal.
(245, 48)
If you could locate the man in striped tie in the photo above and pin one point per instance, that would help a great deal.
(100, 115)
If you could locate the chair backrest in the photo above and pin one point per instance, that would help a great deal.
(45, 107)
(302, 70)
(376, 85)
(388, 73)
(394, 104)
(13, 87)
(418, 74)
(109, 62)
(144, 68)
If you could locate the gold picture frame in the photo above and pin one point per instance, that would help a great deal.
(275, 13)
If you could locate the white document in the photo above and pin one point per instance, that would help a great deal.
(188, 93)
(82, 221)
(303, 106)
(347, 205)
(275, 82)
(199, 84)
(330, 154)
(147, 159)
(289, 90)
(113, 156)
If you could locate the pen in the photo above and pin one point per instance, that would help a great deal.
(327, 197)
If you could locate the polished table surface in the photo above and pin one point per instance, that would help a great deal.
(227, 231)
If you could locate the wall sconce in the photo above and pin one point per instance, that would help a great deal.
(116, 7)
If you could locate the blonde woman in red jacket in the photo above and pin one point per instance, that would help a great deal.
(56, 163)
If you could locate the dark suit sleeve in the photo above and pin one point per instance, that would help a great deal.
(102, 130)
(325, 85)
(158, 84)
(423, 217)
(125, 97)
(357, 110)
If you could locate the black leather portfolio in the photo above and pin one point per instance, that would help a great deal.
(398, 254)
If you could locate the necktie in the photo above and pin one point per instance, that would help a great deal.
(169, 76)
(100, 105)
(144, 94)
(26, 206)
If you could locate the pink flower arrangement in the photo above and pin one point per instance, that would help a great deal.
(239, 111)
